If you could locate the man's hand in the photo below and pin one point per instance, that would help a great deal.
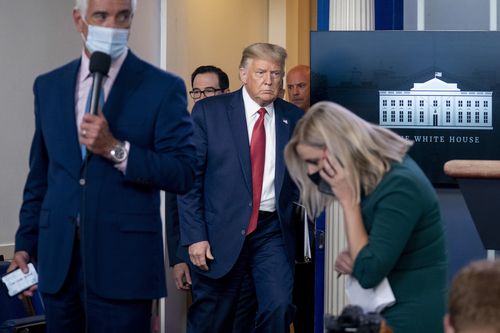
(21, 259)
(199, 253)
(182, 276)
(95, 134)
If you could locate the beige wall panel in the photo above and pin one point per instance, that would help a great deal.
(304, 15)
(292, 32)
(298, 23)
(213, 32)
(278, 22)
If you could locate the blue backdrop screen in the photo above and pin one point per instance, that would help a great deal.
(439, 89)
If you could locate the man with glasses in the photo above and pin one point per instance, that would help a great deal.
(208, 81)
(237, 219)
(90, 216)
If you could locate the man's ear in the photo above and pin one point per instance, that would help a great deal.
(78, 20)
(447, 324)
(243, 75)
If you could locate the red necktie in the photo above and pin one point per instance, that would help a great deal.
(257, 156)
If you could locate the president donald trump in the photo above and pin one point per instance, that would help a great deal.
(237, 219)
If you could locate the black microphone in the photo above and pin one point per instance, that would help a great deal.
(98, 67)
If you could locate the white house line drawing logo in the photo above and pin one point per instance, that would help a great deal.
(436, 104)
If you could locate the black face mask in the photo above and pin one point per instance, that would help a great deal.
(323, 186)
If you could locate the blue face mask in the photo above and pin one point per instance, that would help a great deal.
(111, 41)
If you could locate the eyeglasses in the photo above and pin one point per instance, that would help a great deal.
(209, 91)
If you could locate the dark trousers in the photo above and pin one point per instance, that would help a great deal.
(246, 305)
(264, 258)
(303, 289)
(65, 311)
(303, 297)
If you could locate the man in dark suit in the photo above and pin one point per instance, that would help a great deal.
(298, 84)
(237, 219)
(206, 81)
(90, 216)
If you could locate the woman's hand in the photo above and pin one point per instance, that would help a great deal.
(339, 180)
(344, 263)
(337, 177)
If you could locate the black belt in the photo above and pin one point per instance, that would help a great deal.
(265, 215)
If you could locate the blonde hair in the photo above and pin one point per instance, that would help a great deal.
(366, 151)
(264, 51)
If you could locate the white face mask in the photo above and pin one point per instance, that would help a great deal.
(111, 41)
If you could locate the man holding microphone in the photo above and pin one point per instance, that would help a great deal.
(90, 216)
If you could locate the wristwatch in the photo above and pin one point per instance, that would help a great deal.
(118, 153)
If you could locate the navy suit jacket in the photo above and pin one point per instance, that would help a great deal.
(121, 232)
(176, 254)
(219, 205)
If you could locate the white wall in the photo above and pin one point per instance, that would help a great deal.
(457, 15)
(146, 34)
(449, 14)
(35, 36)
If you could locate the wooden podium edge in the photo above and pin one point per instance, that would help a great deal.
(473, 169)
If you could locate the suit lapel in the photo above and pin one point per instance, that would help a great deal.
(67, 125)
(126, 82)
(282, 136)
(238, 128)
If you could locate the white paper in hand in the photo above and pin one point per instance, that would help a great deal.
(370, 300)
(16, 281)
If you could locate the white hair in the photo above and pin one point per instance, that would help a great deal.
(81, 6)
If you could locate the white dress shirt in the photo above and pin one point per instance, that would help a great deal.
(268, 197)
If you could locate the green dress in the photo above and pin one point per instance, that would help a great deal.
(406, 243)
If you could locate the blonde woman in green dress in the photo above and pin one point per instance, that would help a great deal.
(392, 218)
